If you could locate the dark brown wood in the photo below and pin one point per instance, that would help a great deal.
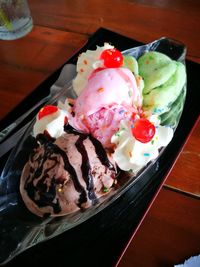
(170, 232)
(185, 176)
(26, 62)
(142, 20)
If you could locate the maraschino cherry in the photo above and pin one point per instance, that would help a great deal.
(143, 130)
(47, 110)
(112, 58)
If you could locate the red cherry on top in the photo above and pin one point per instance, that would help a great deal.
(112, 58)
(133, 116)
(143, 130)
(46, 110)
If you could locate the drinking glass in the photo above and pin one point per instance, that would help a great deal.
(15, 19)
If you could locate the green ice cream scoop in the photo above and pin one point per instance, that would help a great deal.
(164, 80)
(131, 63)
(155, 68)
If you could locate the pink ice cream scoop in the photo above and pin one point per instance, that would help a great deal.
(103, 123)
(106, 87)
(110, 95)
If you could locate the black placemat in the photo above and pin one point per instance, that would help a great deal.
(100, 240)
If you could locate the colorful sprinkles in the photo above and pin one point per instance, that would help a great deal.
(121, 111)
(118, 133)
(130, 93)
(105, 189)
(158, 110)
(100, 90)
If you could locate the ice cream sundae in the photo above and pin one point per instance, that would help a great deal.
(114, 124)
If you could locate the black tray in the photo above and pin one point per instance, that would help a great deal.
(101, 240)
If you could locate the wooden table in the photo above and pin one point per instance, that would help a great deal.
(170, 232)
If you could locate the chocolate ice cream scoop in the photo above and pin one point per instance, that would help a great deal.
(66, 174)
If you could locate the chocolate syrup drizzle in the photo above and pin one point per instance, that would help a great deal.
(100, 151)
(47, 194)
(86, 169)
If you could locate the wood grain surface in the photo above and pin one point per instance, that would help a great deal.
(170, 232)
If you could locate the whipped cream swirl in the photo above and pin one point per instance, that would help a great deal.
(131, 154)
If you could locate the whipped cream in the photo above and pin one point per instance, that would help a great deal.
(86, 64)
(53, 124)
(131, 154)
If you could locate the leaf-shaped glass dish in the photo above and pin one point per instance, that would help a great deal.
(20, 229)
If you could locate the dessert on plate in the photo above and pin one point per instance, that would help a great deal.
(118, 122)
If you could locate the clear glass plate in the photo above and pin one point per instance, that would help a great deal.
(29, 229)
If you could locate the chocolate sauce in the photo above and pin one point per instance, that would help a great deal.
(46, 194)
(68, 167)
(86, 169)
(101, 153)
(46, 198)
(99, 149)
